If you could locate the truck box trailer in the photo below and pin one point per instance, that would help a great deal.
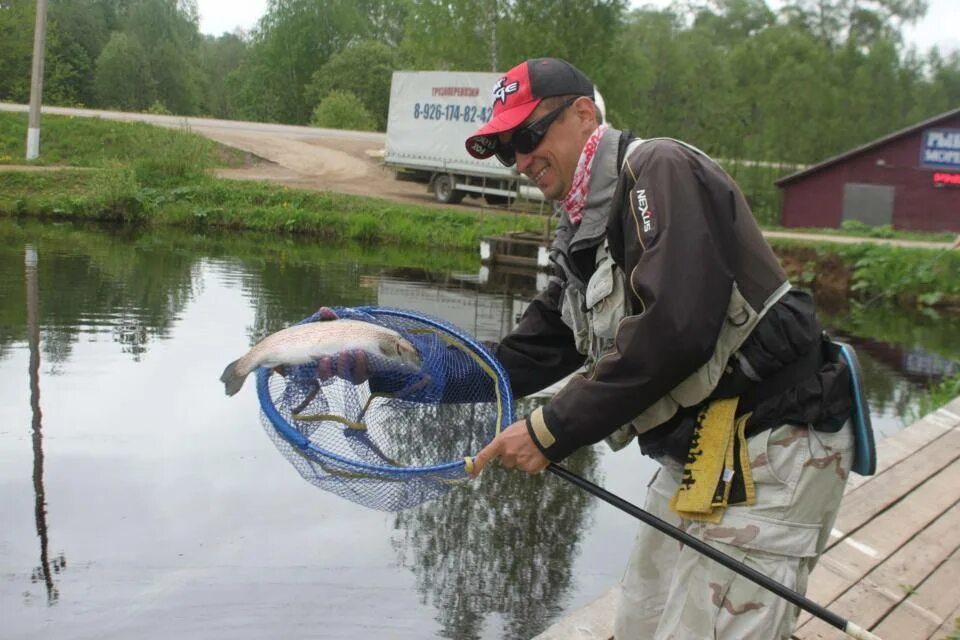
(430, 117)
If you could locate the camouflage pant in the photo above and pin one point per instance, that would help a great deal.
(671, 592)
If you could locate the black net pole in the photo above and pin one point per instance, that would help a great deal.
(714, 554)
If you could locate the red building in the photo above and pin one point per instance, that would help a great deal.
(909, 179)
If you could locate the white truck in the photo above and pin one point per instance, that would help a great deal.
(431, 115)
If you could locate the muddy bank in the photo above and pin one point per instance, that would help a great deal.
(869, 274)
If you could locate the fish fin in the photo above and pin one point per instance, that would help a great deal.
(231, 378)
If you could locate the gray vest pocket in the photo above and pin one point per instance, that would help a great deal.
(606, 301)
(573, 315)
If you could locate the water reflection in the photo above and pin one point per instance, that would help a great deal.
(132, 287)
(504, 545)
(903, 353)
(43, 573)
(175, 503)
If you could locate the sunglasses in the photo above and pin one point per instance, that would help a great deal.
(525, 139)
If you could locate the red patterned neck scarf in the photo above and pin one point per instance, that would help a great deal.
(577, 197)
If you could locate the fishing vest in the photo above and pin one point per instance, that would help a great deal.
(593, 312)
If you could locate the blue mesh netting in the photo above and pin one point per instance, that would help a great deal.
(400, 437)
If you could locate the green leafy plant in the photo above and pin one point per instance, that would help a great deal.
(343, 110)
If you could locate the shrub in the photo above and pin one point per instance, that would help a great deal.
(176, 156)
(343, 110)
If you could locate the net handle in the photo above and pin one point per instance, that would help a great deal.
(788, 594)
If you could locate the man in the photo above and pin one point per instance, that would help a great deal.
(693, 342)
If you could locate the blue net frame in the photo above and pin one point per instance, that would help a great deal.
(405, 435)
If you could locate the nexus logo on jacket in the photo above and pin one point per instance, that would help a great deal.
(645, 213)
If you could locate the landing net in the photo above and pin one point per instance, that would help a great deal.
(406, 433)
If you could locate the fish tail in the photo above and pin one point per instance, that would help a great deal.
(232, 377)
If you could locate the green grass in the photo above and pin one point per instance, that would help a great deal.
(93, 142)
(856, 229)
(139, 173)
(879, 273)
(144, 174)
(209, 203)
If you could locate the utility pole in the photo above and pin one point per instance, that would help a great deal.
(492, 15)
(36, 81)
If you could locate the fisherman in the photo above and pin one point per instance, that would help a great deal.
(693, 343)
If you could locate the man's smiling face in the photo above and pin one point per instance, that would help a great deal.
(552, 164)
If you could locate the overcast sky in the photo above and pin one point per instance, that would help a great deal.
(940, 27)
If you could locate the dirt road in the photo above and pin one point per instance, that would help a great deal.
(341, 161)
(301, 157)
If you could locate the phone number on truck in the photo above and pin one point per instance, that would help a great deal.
(435, 111)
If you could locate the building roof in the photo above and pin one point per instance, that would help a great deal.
(870, 145)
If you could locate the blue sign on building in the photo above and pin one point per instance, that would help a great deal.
(941, 149)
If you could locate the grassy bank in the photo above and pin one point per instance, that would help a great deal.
(207, 203)
(870, 273)
(144, 175)
(93, 142)
(141, 174)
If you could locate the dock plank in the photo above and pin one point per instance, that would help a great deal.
(853, 559)
(872, 498)
(932, 605)
(868, 601)
(950, 629)
(903, 444)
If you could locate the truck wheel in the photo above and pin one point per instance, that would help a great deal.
(495, 199)
(443, 190)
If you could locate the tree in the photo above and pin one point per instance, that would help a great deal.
(454, 34)
(584, 32)
(168, 32)
(16, 49)
(292, 41)
(735, 20)
(176, 78)
(364, 69)
(834, 21)
(123, 78)
(217, 58)
(83, 28)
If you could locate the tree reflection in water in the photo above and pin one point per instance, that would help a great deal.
(503, 544)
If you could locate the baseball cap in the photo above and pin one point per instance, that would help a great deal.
(518, 93)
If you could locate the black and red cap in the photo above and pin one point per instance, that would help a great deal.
(518, 93)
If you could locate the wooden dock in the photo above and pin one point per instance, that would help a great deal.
(893, 563)
(526, 250)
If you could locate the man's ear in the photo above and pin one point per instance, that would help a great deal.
(586, 113)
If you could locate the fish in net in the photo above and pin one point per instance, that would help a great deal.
(383, 430)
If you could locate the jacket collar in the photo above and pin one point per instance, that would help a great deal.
(603, 183)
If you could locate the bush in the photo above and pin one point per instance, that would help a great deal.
(870, 231)
(175, 157)
(159, 109)
(343, 110)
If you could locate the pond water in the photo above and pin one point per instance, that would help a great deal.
(136, 501)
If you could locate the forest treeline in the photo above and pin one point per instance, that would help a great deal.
(735, 77)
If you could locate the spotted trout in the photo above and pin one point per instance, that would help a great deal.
(304, 343)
